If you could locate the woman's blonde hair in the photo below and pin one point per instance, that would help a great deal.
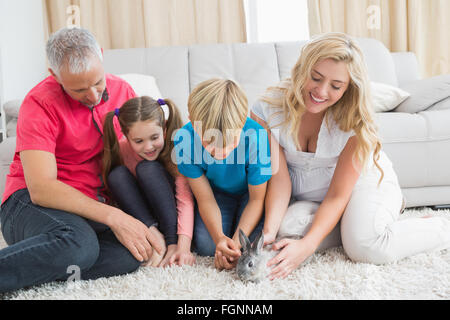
(218, 104)
(352, 112)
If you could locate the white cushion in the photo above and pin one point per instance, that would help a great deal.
(12, 108)
(386, 97)
(143, 85)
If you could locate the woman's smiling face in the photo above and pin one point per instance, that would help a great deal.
(327, 83)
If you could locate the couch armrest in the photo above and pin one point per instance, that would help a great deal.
(7, 150)
(406, 67)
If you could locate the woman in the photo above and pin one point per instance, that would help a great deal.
(327, 150)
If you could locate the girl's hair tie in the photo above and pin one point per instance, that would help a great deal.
(116, 112)
(161, 102)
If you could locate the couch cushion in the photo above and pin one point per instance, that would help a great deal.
(375, 54)
(7, 150)
(142, 84)
(425, 93)
(12, 108)
(418, 145)
(11, 128)
(253, 66)
(441, 105)
(386, 97)
(406, 67)
(168, 65)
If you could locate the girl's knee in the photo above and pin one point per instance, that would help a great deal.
(148, 167)
(118, 174)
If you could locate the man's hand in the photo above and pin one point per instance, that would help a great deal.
(135, 236)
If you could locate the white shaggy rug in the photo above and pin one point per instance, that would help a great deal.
(328, 275)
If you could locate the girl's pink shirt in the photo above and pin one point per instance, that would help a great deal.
(183, 193)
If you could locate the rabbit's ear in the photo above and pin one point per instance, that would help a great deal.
(258, 243)
(245, 242)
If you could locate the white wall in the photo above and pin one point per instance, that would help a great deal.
(276, 20)
(22, 47)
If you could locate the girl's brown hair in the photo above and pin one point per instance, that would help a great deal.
(134, 110)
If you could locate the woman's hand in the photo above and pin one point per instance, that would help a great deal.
(292, 254)
(227, 253)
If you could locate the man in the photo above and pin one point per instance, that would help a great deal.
(53, 213)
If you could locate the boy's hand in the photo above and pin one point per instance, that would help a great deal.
(227, 254)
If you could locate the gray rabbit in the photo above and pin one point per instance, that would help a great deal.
(252, 264)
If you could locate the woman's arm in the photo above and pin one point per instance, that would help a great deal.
(338, 195)
(279, 187)
(294, 252)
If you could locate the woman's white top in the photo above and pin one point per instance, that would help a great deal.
(310, 173)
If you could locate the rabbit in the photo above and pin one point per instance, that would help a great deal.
(252, 264)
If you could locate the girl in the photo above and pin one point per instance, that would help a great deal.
(221, 151)
(141, 177)
(329, 152)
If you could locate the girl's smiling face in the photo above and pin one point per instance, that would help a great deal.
(327, 84)
(146, 139)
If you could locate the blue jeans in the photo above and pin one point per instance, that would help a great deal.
(48, 245)
(231, 208)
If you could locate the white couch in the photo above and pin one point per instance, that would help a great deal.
(417, 141)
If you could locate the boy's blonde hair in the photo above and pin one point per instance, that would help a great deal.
(218, 105)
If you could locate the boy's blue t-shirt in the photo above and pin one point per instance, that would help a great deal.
(248, 163)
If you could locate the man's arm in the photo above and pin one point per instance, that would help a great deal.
(40, 171)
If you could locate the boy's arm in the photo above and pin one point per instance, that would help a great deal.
(279, 187)
(253, 210)
(207, 206)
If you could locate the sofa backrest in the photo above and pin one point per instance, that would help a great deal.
(255, 66)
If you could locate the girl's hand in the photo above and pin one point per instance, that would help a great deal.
(227, 253)
(157, 240)
(171, 249)
(293, 253)
(182, 257)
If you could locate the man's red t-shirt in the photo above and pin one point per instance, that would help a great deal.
(50, 120)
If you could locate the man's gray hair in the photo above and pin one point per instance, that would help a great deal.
(74, 47)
